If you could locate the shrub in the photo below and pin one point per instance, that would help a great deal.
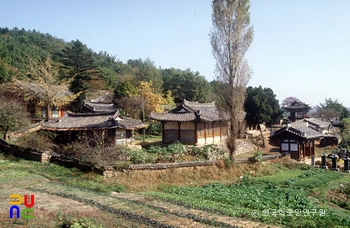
(38, 140)
(228, 162)
(176, 150)
(158, 150)
(155, 128)
(139, 156)
(206, 152)
(173, 152)
(74, 149)
(257, 157)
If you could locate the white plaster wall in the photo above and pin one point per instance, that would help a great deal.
(187, 126)
(170, 125)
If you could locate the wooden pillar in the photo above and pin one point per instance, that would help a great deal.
(205, 132)
(213, 130)
(179, 131)
(125, 138)
(132, 135)
(163, 135)
(292, 116)
(61, 111)
(195, 134)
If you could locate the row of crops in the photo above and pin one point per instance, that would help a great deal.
(281, 201)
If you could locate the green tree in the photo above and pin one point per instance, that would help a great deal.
(332, 109)
(4, 75)
(186, 84)
(78, 64)
(146, 71)
(261, 106)
(345, 143)
(230, 37)
(124, 89)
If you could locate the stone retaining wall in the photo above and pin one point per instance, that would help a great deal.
(157, 166)
(70, 162)
(30, 129)
(47, 157)
(23, 152)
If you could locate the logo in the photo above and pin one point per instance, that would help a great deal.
(15, 200)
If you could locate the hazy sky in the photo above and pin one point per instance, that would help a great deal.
(301, 48)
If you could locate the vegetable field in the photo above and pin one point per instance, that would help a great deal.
(290, 200)
(286, 194)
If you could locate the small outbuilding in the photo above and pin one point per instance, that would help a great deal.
(297, 138)
(297, 110)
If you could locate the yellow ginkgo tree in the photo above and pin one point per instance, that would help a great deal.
(43, 86)
(153, 102)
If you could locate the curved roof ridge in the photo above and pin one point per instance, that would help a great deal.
(91, 114)
(196, 103)
(104, 99)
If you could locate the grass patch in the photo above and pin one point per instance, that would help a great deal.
(318, 180)
(14, 169)
(280, 178)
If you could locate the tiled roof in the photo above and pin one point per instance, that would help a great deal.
(297, 105)
(98, 107)
(301, 129)
(188, 112)
(105, 99)
(317, 123)
(101, 104)
(86, 121)
(177, 117)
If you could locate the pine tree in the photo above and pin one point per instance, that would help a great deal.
(79, 65)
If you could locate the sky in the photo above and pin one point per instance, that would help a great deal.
(301, 48)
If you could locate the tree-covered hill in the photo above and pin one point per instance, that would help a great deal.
(19, 47)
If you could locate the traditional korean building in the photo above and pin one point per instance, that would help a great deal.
(35, 106)
(297, 110)
(192, 123)
(298, 138)
(99, 105)
(70, 127)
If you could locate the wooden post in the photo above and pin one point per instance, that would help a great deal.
(213, 130)
(205, 132)
(195, 134)
(163, 135)
(179, 131)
